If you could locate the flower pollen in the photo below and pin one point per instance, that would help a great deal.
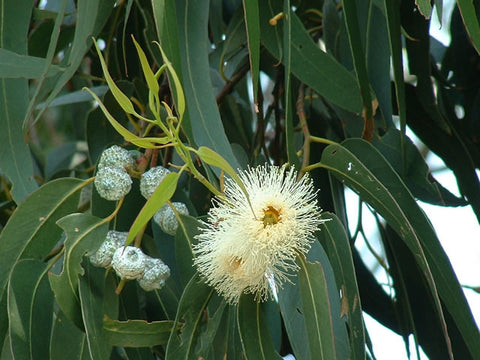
(271, 216)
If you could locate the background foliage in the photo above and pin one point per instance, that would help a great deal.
(354, 72)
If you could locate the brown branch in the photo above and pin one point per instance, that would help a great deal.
(227, 89)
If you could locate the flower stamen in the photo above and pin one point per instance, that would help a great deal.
(271, 216)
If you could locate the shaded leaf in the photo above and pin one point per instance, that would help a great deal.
(13, 65)
(326, 330)
(183, 344)
(30, 310)
(137, 333)
(256, 339)
(83, 233)
(364, 170)
(335, 241)
(68, 342)
(91, 291)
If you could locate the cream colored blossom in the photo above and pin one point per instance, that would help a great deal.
(245, 245)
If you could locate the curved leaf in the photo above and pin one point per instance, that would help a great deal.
(183, 343)
(83, 233)
(335, 240)
(137, 333)
(30, 310)
(256, 339)
(364, 170)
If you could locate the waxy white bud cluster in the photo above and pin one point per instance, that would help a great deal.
(166, 219)
(112, 180)
(129, 262)
(151, 179)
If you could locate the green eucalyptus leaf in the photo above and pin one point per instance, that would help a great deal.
(256, 339)
(91, 291)
(361, 167)
(184, 343)
(30, 310)
(84, 233)
(137, 333)
(161, 195)
(335, 241)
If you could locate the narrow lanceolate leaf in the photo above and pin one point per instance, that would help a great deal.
(358, 54)
(335, 241)
(15, 160)
(310, 64)
(147, 71)
(13, 65)
(326, 331)
(256, 339)
(83, 233)
(68, 341)
(30, 310)
(470, 19)
(31, 231)
(92, 292)
(183, 344)
(204, 117)
(252, 24)
(361, 167)
(137, 333)
(162, 194)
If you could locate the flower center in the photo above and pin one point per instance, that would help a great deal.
(271, 216)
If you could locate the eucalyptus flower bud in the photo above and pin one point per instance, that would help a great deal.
(103, 256)
(166, 219)
(151, 179)
(129, 262)
(115, 156)
(112, 183)
(154, 275)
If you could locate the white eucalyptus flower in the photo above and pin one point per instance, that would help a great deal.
(129, 262)
(151, 179)
(112, 183)
(103, 256)
(154, 275)
(115, 156)
(166, 219)
(247, 243)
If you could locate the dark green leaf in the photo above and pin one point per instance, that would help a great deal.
(68, 341)
(202, 108)
(188, 227)
(91, 291)
(183, 344)
(30, 310)
(15, 161)
(83, 233)
(469, 15)
(13, 65)
(256, 340)
(364, 170)
(334, 238)
(31, 231)
(252, 23)
(310, 64)
(137, 333)
(326, 331)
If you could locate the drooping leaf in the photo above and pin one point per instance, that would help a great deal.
(183, 343)
(252, 24)
(256, 339)
(31, 231)
(326, 330)
(68, 342)
(15, 160)
(30, 310)
(310, 64)
(83, 233)
(335, 241)
(202, 110)
(13, 65)
(365, 171)
(137, 333)
(91, 291)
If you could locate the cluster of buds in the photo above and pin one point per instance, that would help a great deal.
(113, 181)
(129, 262)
